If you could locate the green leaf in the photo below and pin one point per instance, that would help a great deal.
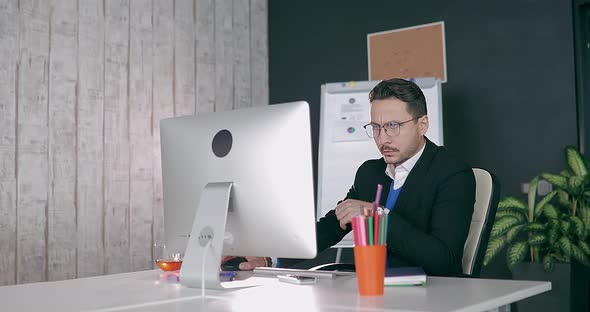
(532, 197)
(494, 246)
(513, 203)
(537, 239)
(566, 173)
(515, 253)
(518, 214)
(543, 202)
(548, 263)
(565, 226)
(585, 247)
(584, 214)
(550, 211)
(578, 226)
(501, 226)
(535, 226)
(575, 185)
(513, 233)
(565, 245)
(556, 180)
(563, 198)
(579, 255)
(559, 257)
(553, 234)
(575, 161)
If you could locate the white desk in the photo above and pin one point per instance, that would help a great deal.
(149, 291)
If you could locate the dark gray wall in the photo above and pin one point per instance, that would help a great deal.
(509, 103)
(582, 39)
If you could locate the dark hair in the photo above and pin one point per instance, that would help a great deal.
(403, 90)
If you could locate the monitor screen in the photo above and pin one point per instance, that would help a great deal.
(265, 154)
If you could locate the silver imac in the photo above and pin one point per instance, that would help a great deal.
(237, 183)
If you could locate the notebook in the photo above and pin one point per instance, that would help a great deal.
(405, 276)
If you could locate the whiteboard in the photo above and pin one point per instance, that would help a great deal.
(344, 145)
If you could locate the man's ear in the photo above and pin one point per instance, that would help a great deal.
(423, 124)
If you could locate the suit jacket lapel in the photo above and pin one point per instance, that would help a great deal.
(384, 180)
(417, 174)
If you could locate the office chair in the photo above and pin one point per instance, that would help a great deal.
(487, 195)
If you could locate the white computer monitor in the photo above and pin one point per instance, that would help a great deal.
(246, 174)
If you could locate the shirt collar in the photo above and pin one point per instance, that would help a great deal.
(403, 169)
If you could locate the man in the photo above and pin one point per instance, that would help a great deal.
(429, 194)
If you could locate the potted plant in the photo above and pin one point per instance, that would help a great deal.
(550, 233)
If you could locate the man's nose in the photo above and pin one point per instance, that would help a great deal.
(382, 138)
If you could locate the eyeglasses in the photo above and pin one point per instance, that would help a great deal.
(392, 128)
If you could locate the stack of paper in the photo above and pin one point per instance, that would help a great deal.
(405, 276)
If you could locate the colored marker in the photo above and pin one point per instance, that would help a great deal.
(385, 229)
(370, 230)
(362, 232)
(382, 228)
(378, 197)
(376, 225)
(355, 230)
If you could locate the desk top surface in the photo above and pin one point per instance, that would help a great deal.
(153, 291)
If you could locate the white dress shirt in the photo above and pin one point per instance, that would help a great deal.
(401, 172)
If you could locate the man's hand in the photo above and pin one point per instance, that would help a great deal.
(250, 263)
(253, 262)
(350, 208)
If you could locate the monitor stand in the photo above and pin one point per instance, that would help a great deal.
(202, 258)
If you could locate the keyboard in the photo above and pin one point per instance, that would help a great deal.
(316, 273)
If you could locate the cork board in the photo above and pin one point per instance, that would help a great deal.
(410, 52)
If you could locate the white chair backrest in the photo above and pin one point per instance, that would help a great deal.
(483, 197)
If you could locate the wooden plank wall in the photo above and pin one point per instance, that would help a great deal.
(90, 157)
(83, 85)
(9, 34)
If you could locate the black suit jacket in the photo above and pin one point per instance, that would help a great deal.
(430, 221)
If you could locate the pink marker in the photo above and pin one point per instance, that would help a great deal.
(362, 231)
(377, 197)
(355, 230)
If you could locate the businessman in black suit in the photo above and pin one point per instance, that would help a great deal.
(432, 193)
(428, 194)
